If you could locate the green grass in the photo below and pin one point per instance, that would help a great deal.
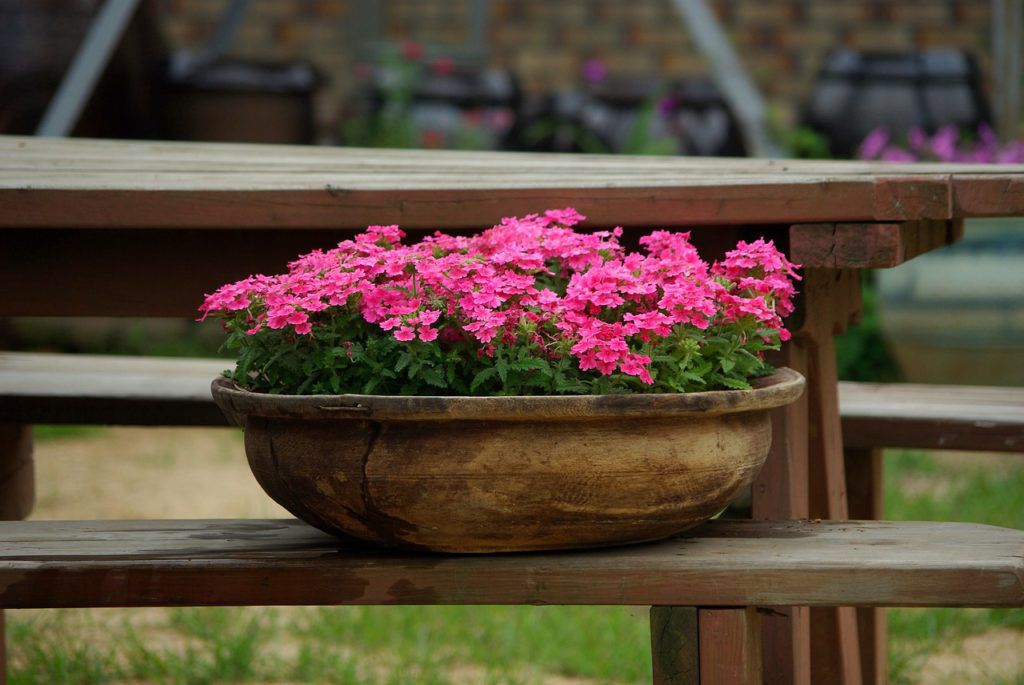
(922, 487)
(351, 645)
(57, 431)
(505, 645)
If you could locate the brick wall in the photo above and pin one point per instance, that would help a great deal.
(781, 42)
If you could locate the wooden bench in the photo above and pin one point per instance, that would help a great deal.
(93, 389)
(719, 575)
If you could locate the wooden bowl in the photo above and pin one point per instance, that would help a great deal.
(501, 474)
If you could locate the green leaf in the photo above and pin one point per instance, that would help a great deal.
(735, 383)
(432, 376)
(481, 377)
(403, 361)
(502, 366)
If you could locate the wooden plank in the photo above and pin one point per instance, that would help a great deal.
(780, 492)
(467, 203)
(729, 563)
(234, 159)
(103, 184)
(94, 389)
(866, 245)
(730, 646)
(675, 655)
(978, 195)
(932, 416)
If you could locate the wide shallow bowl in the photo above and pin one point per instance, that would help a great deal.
(501, 474)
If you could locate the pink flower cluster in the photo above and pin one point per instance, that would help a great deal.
(527, 281)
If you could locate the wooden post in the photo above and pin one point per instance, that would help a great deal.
(780, 492)
(730, 646)
(675, 657)
(866, 496)
(805, 477)
(17, 495)
(727, 652)
(833, 299)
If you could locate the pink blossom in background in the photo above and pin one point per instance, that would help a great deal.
(442, 66)
(594, 71)
(946, 145)
(873, 145)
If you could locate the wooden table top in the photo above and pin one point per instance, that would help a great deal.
(83, 183)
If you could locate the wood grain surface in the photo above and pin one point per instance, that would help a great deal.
(726, 563)
(869, 245)
(730, 646)
(103, 184)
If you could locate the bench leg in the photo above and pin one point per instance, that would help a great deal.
(17, 495)
(706, 646)
(730, 646)
(675, 655)
(17, 474)
(865, 488)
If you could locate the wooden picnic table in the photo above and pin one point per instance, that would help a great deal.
(114, 228)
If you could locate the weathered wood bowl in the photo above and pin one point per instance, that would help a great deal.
(501, 474)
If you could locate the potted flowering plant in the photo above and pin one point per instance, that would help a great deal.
(528, 387)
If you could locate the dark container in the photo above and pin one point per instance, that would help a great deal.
(230, 100)
(857, 92)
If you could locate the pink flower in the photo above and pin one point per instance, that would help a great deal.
(874, 143)
(529, 283)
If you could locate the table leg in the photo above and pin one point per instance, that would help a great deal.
(780, 492)
(835, 644)
(805, 477)
(17, 495)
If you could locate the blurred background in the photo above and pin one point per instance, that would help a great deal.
(886, 80)
(918, 80)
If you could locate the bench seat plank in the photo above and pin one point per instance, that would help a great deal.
(80, 388)
(724, 563)
(108, 389)
(932, 416)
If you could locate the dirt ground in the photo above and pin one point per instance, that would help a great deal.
(202, 473)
